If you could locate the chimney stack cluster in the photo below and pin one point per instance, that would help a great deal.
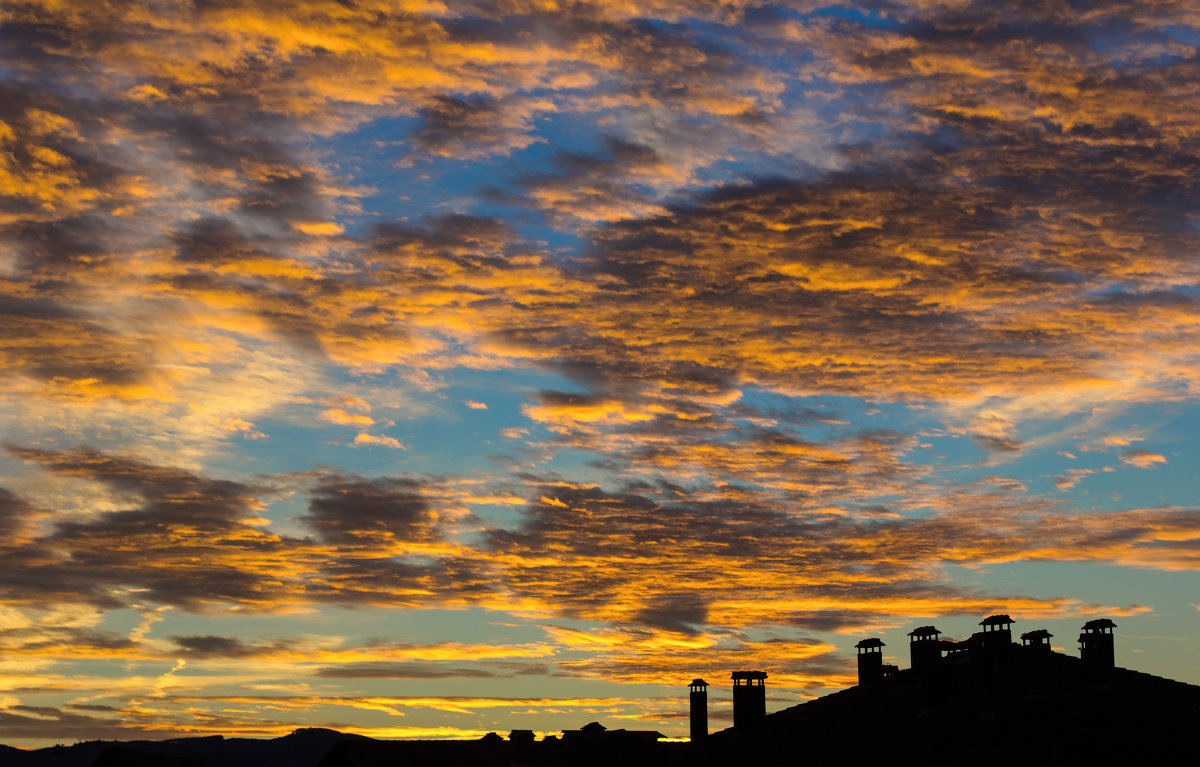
(749, 701)
(928, 651)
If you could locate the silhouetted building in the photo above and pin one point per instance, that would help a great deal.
(749, 697)
(870, 660)
(596, 734)
(1096, 645)
(698, 695)
(591, 731)
(1036, 641)
(924, 648)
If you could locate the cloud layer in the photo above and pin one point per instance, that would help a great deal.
(762, 324)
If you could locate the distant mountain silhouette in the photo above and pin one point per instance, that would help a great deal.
(303, 748)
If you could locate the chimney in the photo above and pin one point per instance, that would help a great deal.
(870, 660)
(1096, 645)
(749, 698)
(924, 647)
(996, 637)
(698, 693)
(1036, 642)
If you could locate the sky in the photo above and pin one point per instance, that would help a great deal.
(423, 369)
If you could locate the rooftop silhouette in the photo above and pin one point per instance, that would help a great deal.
(982, 700)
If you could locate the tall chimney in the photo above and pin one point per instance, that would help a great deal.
(870, 660)
(925, 649)
(698, 693)
(1096, 645)
(749, 697)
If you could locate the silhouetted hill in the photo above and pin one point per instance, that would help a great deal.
(302, 748)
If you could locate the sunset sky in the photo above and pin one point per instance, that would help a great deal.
(421, 369)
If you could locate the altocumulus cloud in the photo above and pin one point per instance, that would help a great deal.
(979, 211)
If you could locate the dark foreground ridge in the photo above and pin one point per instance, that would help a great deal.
(985, 700)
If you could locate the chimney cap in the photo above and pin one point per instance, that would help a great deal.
(697, 682)
(1098, 624)
(924, 632)
(748, 675)
(870, 642)
(997, 620)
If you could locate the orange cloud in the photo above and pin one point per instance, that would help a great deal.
(1142, 459)
(341, 417)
